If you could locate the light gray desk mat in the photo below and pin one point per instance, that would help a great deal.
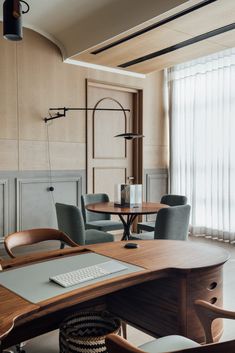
(32, 281)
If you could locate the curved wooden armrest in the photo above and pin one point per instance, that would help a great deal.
(117, 344)
(207, 313)
(33, 236)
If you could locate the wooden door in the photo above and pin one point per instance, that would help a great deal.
(109, 159)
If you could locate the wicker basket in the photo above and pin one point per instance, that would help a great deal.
(85, 332)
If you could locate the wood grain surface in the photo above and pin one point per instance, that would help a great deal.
(208, 18)
(13, 308)
(156, 255)
(110, 208)
(174, 267)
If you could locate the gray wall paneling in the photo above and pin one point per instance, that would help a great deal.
(35, 203)
(25, 201)
(156, 185)
(3, 207)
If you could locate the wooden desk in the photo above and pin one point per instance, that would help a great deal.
(130, 212)
(158, 300)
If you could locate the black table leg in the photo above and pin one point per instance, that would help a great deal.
(127, 225)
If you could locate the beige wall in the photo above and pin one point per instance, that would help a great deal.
(34, 78)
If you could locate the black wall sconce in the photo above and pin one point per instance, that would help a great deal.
(65, 110)
(126, 135)
(12, 19)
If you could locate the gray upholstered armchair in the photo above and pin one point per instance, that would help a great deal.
(99, 221)
(168, 199)
(171, 223)
(70, 221)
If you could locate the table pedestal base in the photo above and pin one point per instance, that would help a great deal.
(127, 225)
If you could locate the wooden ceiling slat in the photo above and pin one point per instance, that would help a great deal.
(180, 45)
(218, 14)
(213, 16)
(153, 26)
(182, 55)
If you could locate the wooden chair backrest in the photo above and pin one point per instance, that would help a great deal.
(33, 236)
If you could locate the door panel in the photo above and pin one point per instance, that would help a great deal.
(109, 159)
(105, 178)
(105, 145)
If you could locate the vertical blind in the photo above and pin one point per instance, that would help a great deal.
(202, 129)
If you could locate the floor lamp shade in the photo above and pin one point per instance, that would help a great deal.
(12, 20)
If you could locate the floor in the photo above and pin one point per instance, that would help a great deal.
(49, 343)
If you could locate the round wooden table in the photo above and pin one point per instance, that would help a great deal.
(130, 212)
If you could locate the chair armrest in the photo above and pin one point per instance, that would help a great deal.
(117, 344)
(207, 313)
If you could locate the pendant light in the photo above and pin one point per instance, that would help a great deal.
(12, 19)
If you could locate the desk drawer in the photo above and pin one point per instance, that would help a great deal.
(207, 285)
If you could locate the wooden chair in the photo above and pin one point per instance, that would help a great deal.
(206, 312)
(33, 236)
(30, 237)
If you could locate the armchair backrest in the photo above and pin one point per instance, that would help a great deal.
(174, 200)
(90, 199)
(172, 223)
(70, 221)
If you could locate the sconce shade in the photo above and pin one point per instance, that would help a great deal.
(130, 135)
(12, 23)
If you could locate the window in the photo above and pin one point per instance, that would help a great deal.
(202, 115)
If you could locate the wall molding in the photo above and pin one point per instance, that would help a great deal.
(10, 198)
(20, 183)
(151, 176)
(155, 186)
(5, 215)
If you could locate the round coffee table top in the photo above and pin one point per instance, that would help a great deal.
(111, 208)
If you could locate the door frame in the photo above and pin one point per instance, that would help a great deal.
(137, 147)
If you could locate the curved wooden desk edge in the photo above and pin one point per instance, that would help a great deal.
(110, 208)
(159, 258)
(151, 255)
(20, 309)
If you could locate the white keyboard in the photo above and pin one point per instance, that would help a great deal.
(85, 274)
